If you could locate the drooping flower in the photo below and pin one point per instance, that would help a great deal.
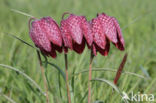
(76, 31)
(105, 30)
(46, 35)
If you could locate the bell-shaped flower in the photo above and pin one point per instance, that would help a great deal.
(105, 30)
(76, 31)
(46, 35)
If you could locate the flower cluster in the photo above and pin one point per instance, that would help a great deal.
(75, 32)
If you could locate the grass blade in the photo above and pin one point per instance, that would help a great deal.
(110, 84)
(22, 41)
(59, 69)
(8, 98)
(98, 101)
(145, 72)
(20, 12)
(73, 83)
(110, 70)
(59, 84)
(85, 95)
(25, 75)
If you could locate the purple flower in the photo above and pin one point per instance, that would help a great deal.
(46, 35)
(76, 31)
(105, 30)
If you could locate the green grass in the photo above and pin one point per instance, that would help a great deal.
(138, 23)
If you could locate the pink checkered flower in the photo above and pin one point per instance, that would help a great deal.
(105, 30)
(46, 35)
(76, 31)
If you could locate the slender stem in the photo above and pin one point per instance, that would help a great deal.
(67, 84)
(29, 23)
(43, 76)
(90, 77)
(65, 14)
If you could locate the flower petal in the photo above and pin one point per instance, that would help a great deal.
(74, 23)
(120, 44)
(79, 48)
(87, 31)
(108, 27)
(39, 37)
(52, 30)
(105, 51)
(66, 34)
(65, 50)
(98, 33)
(107, 48)
(56, 47)
(53, 53)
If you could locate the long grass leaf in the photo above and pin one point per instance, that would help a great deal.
(21, 12)
(98, 101)
(22, 41)
(110, 84)
(24, 75)
(8, 98)
(59, 84)
(85, 95)
(145, 72)
(59, 69)
(110, 70)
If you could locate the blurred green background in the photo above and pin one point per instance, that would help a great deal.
(138, 23)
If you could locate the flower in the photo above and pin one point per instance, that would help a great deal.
(76, 31)
(105, 30)
(46, 35)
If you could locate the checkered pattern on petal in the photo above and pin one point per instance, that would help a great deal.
(98, 33)
(52, 30)
(39, 37)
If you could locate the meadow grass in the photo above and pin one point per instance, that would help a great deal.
(138, 23)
